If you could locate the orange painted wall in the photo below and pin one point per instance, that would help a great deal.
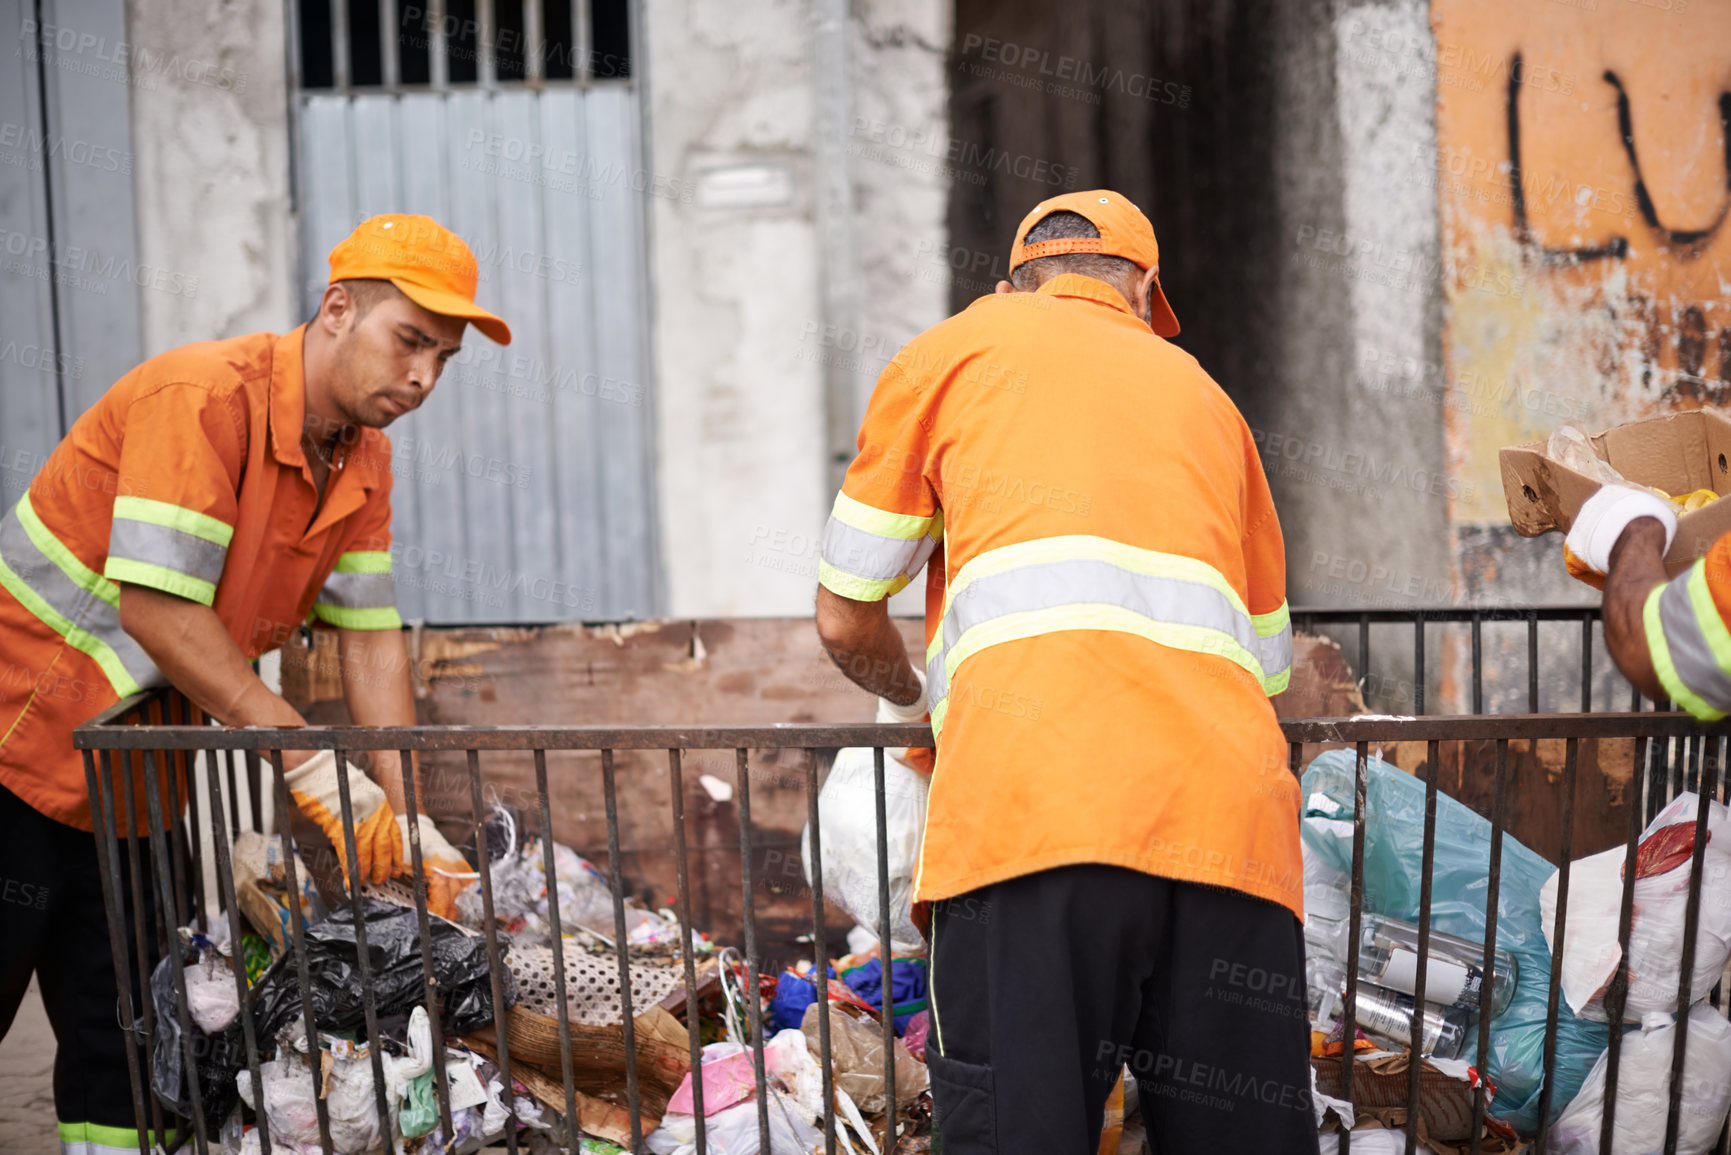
(1600, 305)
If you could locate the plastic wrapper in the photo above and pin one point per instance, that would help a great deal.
(847, 808)
(1393, 848)
(856, 1052)
(459, 966)
(520, 900)
(1644, 1090)
(210, 995)
(1590, 950)
(795, 1102)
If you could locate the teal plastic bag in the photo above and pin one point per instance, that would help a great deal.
(420, 1111)
(1393, 843)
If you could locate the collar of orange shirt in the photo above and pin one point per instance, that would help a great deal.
(1080, 288)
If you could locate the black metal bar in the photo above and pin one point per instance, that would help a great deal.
(886, 948)
(219, 835)
(161, 708)
(616, 875)
(1586, 664)
(1355, 931)
(1706, 789)
(558, 936)
(1444, 727)
(195, 845)
(1478, 668)
(141, 912)
(108, 868)
(434, 1000)
(682, 873)
(1418, 664)
(1347, 615)
(1499, 787)
(363, 957)
(820, 952)
(495, 966)
(1427, 864)
(232, 775)
(754, 997)
(166, 879)
(1532, 663)
(1565, 857)
(1616, 994)
(298, 925)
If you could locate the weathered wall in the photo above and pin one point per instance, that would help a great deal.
(211, 177)
(739, 333)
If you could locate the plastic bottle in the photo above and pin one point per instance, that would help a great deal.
(1388, 957)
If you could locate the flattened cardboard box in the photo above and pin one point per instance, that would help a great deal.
(1678, 454)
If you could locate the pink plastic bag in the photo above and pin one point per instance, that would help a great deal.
(726, 1081)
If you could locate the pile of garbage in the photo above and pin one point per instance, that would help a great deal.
(1515, 994)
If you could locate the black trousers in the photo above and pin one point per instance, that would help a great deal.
(53, 925)
(1045, 987)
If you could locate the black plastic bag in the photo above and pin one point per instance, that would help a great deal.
(215, 1057)
(393, 950)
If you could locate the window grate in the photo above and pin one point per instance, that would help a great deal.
(392, 45)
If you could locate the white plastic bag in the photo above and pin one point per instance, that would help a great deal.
(1644, 1090)
(1591, 954)
(847, 807)
(211, 997)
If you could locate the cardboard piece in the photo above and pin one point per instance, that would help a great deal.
(1678, 454)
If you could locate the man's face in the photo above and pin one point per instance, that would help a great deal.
(389, 357)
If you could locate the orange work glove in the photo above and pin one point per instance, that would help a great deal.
(447, 871)
(378, 840)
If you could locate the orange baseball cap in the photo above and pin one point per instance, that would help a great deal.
(427, 261)
(1124, 232)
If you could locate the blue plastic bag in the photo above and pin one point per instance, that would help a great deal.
(1393, 843)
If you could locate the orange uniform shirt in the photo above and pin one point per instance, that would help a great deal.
(1688, 627)
(1106, 607)
(187, 476)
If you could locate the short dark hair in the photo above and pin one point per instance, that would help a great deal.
(367, 292)
(1030, 275)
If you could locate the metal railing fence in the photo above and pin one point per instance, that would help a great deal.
(149, 743)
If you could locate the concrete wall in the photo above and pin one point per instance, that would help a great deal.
(740, 338)
(211, 178)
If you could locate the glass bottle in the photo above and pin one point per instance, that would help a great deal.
(1388, 957)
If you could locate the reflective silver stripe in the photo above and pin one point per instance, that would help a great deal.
(1083, 582)
(868, 555)
(169, 548)
(81, 608)
(359, 591)
(1691, 652)
(1274, 652)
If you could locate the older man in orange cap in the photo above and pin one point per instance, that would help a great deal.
(1111, 852)
(216, 497)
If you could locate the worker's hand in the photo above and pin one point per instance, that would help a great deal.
(919, 757)
(1602, 520)
(378, 840)
(447, 871)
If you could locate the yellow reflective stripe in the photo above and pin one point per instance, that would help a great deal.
(174, 517)
(1660, 650)
(364, 561)
(118, 1137)
(348, 618)
(142, 573)
(98, 650)
(1271, 623)
(81, 575)
(881, 522)
(939, 712)
(857, 588)
(1086, 547)
(1278, 683)
(1707, 618)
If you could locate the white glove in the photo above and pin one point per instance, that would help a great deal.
(889, 712)
(1606, 515)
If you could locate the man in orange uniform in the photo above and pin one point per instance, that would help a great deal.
(1111, 851)
(214, 499)
(1670, 638)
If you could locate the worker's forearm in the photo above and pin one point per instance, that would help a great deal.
(379, 692)
(191, 647)
(866, 646)
(1637, 565)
